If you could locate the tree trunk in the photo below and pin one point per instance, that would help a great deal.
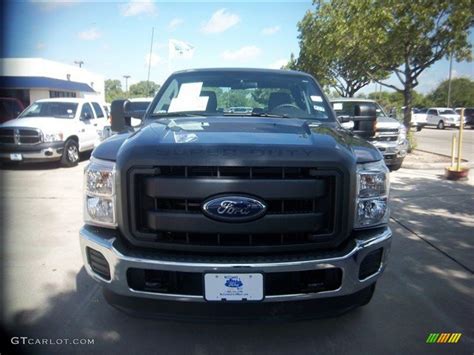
(407, 96)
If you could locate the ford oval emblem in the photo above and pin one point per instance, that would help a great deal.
(234, 208)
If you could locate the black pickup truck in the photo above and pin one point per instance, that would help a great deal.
(205, 209)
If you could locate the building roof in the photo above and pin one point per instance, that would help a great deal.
(39, 82)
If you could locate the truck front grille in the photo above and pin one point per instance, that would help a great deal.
(20, 136)
(166, 207)
(387, 134)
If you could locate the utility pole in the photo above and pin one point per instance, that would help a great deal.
(126, 82)
(149, 63)
(449, 80)
(79, 62)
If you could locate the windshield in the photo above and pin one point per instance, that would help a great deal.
(446, 112)
(243, 93)
(51, 109)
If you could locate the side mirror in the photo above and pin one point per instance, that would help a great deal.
(117, 115)
(365, 118)
(129, 112)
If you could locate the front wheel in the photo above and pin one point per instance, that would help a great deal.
(395, 167)
(70, 156)
(418, 128)
(440, 125)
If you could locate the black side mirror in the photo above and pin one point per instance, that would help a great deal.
(117, 115)
(365, 118)
(129, 112)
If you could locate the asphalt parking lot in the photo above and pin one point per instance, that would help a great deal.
(428, 286)
(438, 141)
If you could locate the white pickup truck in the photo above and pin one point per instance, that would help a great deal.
(53, 130)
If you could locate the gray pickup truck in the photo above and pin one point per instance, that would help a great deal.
(389, 135)
(276, 211)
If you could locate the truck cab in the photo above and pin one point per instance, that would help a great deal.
(215, 210)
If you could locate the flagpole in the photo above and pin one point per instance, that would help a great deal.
(149, 63)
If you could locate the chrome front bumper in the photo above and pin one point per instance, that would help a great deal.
(120, 259)
(43, 154)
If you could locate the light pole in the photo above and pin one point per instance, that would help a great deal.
(126, 82)
(79, 62)
(449, 79)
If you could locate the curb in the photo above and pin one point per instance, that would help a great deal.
(428, 166)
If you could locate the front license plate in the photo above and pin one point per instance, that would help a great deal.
(16, 157)
(233, 287)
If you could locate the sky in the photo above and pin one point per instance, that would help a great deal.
(114, 38)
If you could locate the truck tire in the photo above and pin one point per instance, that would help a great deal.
(70, 156)
(418, 128)
(395, 167)
(440, 125)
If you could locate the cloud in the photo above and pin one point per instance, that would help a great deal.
(220, 21)
(268, 31)
(40, 45)
(175, 23)
(243, 54)
(138, 7)
(90, 34)
(278, 64)
(153, 60)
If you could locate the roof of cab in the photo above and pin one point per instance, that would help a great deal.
(246, 70)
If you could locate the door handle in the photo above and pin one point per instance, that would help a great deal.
(83, 130)
(95, 124)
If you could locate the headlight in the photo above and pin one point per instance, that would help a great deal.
(373, 185)
(53, 137)
(402, 135)
(99, 191)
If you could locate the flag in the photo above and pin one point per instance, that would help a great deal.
(180, 49)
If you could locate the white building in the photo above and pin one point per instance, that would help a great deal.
(30, 79)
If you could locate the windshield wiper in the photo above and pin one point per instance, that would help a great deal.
(176, 114)
(258, 114)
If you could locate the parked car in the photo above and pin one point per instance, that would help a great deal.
(10, 108)
(442, 117)
(468, 116)
(233, 213)
(418, 118)
(53, 130)
(138, 105)
(389, 136)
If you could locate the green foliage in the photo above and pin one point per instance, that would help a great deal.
(347, 43)
(113, 90)
(330, 51)
(462, 93)
(143, 89)
(406, 37)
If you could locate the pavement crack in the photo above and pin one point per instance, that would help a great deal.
(432, 245)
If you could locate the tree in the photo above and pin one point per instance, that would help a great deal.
(143, 89)
(407, 37)
(329, 51)
(462, 93)
(113, 90)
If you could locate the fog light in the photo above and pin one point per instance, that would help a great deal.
(372, 211)
(100, 209)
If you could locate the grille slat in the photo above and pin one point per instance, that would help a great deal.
(19, 136)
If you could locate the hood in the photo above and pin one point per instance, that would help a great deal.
(387, 122)
(236, 140)
(47, 124)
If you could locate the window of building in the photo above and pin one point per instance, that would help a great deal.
(54, 94)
